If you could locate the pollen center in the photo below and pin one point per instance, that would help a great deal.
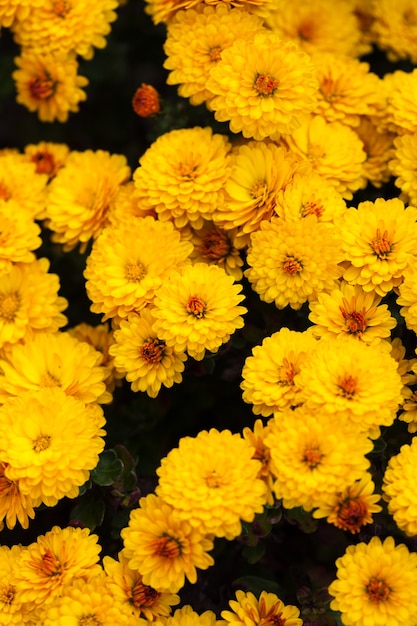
(265, 85)
(286, 373)
(306, 31)
(45, 163)
(215, 246)
(134, 272)
(41, 443)
(292, 266)
(355, 322)
(312, 456)
(42, 87)
(312, 208)
(9, 305)
(381, 245)
(348, 386)
(377, 590)
(196, 306)
(215, 54)
(51, 566)
(351, 515)
(213, 480)
(4, 192)
(143, 595)
(89, 620)
(7, 594)
(61, 8)
(167, 547)
(152, 350)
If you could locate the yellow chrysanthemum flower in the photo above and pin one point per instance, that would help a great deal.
(344, 376)
(128, 265)
(292, 262)
(352, 508)
(262, 87)
(81, 195)
(401, 106)
(403, 165)
(47, 156)
(216, 246)
(198, 309)
(12, 610)
(394, 27)
(408, 297)
(144, 359)
(261, 452)
(268, 374)
(66, 26)
(20, 183)
(379, 241)
(127, 585)
(181, 175)
(51, 360)
(350, 310)
(378, 145)
(19, 235)
(14, 505)
(408, 413)
(313, 455)
(333, 150)
(247, 610)
(55, 559)
(212, 482)
(29, 302)
(195, 41)
(50, 444)
(398, 488)
(126, 207)
(303, 23)
(373, 584)
(164, 548)
(186, 616)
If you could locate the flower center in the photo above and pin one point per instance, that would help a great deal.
(143, 595)
(51, 565)
(7, 594)
(312, 208)
(9, 305)
(213, 480)
(306, 31)
(348, 386)
(312, 456)
(355, 321)
(41, 443)
(265, 85)
(187, 171)
(381, 245)
(61, 8)
(152, 350)
(134, 272)
(286, 373)
(4, 192)
(45, 163)
(377, 590)
(89, 620)
(42, 87)
(215, 54)
(351, 515)
(7, 487)
(410, 17)
(215, 246)
(292, 266)
(196, 306)
(167, 547)
(48, 380)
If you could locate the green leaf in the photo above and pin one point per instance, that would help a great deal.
(89, 510)
(108, 470)
(253, 553)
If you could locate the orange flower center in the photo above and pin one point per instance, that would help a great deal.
(152, 350)
(145, 102)
(45, 163)
(286, 373)
(271, 617)
(167, 547)
(352, 515)
(9, 306)
(215, 246)
(377, 590)
(7, 594)
(61, 8)
(213, 480)
(134, 272)
(42, 87)
(312, 456)
(265, 85)
(306, 30)
(292, 266)
(215, 54)
(381, 245)
(143, 595)
(51, 565)
(4, 192)
(312, 208)
(355, 321)
(410, 17)
(48, 380)
(196, 306)
(41, 443)
(89, 620)
(7, 487)
(348, 386)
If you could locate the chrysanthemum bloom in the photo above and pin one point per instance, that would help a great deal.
(67, 26)
(408, 297)
(268, 374)
(352, 508)
(350, 310)
(81, 195)
(12, 610)
(313, 455)
(19, 235)
(212, 482)
(262, 87)
(247, 610)
(128, 265)
(145, 101)
(303, 22)
(309, 194)
(408, 411)
(198, 309)
(344, 376)
(19, 182)
(195, 41)
(395, 28)
(14, 505)
(144, 359)
(49, 84)
(398, 488)
(54, 360)
(186, 616)
(47, 156)
(181, 175)
(217, 246)
(373, 584)
(15, 9)
(333, 150)
(49, 443)
(29, 302)
(259, 171)
(378, 145)
(127, 585)
(164, 548)
(379, 241)
(55, 559)
(165, 10)
(401, 101)
(403, 165)
(256, 438)
(347, 89)
(292, 262)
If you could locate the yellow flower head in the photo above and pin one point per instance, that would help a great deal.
(314, 454)
(195, 41)
(220, 247)
(50, 444)
(262, 87)
(379, 241)
(49, 84)
(247, 610)
(185, 616)
(47, 156)
(401, 108)
(395, 28)
(268, 374)
(82, 194)
(164, 548)
(128, 265)
(403, 165)
(198, 309)
(181, 175)
(408, 297)
(14, 505)
(373, 584)
(351, 310)
(398, 488)
(19, 182)
(292, 262)
(212, 482)
(19, 235)
(12, 610)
